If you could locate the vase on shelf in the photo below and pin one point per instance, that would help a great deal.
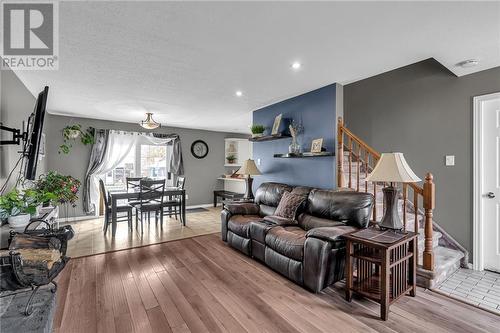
(294, 147)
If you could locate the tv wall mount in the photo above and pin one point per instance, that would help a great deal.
(17, 136)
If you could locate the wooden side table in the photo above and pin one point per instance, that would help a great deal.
(386, 266)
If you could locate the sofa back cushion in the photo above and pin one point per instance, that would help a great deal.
(352, 208)
(308, 222)
(269, 194)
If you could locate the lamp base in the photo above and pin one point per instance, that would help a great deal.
(248, 193)
(391, 219)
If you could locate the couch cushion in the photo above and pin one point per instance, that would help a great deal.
(288, 241)
(353, 208)
(269, 194)
(240, 224)
(288, 205)
(308, 222)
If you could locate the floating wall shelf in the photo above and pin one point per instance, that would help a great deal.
(304, 155)
(270, 137)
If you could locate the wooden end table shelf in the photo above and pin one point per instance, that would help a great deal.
(386, 266)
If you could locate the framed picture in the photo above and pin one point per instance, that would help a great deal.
(316, 145)
(276, 125)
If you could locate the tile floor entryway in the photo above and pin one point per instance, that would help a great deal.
(481, 289)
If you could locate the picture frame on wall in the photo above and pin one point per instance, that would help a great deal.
(316, 145)
(276, 125)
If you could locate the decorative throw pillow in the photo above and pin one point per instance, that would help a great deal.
(288, 205)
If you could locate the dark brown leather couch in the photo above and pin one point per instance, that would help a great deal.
(309, 250)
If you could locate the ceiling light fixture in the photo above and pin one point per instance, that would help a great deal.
(296, 65)
(149, 123)
(468, 63)
(239, 93)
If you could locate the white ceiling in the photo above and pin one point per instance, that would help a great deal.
(185, 60)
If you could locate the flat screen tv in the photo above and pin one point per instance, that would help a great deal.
(35, 128)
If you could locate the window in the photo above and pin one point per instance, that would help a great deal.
(153, 161)
(116, 178)
(144, 161)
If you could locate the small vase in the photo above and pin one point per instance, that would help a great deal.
(294, 147)
(257, 135)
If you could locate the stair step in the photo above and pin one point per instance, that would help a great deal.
(436, 235)
(446, 262)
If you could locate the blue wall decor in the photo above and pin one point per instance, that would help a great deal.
(316, 111)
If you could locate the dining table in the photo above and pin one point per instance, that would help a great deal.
(133, 194)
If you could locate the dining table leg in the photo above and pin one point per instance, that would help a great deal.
(183, 208)
(113, 216)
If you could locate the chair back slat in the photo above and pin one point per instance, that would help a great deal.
(133, 183)
(152, 190)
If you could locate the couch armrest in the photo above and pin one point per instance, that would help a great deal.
(324, 256)
(330, 234)
(225, 215)
(245, 208)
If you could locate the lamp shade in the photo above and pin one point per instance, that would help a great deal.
(248, 168)
(392, 167)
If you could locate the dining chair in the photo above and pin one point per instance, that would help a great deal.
(176, 202)
(150, 200)
(133, 184)
(119, 209)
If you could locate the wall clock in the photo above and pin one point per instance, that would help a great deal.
(199, 149)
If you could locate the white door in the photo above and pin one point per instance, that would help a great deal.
(490, 198)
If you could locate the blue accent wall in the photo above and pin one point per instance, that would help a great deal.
(316, 109)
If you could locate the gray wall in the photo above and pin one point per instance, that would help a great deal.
(201, 175)
(425, 112)
(17, 103)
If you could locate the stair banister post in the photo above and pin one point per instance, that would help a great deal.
(340, 153)
(429, 204)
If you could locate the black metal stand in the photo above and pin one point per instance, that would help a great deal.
(17, 136)
(28, 310)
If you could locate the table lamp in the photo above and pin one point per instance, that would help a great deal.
(248, 169)
(392, 168)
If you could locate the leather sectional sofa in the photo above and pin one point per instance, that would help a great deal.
(309, 250)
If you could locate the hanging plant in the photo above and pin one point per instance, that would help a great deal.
(72, 133)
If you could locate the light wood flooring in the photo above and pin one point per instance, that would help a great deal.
(90, 239)
(202, 285)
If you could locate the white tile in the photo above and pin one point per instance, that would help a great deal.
(492, 300)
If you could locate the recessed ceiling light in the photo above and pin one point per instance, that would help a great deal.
(468, 63)
(296, 65)
(239, 93)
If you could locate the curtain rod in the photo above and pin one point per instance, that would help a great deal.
(156, 135)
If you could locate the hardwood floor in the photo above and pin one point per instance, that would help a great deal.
(90, 239)
(202, 285)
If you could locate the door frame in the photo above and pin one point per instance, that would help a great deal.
(477, 240)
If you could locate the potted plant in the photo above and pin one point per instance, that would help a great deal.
(231, 159)
(257, 130)
(71, 133)
(56, 188)
(17, 207)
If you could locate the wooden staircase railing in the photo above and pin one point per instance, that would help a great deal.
(367, 158)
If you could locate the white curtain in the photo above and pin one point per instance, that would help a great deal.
(119, 146)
